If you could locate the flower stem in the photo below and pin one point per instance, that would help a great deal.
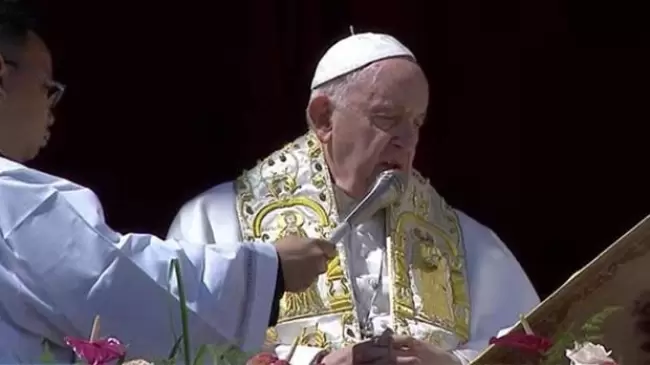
(181, 297)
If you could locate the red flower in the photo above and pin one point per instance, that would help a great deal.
(266, 358)
(263, 358)
(523, 341)
(97, 352)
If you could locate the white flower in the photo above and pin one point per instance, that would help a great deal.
(587, 353)
(138, 362)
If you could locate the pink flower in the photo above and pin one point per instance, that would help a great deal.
(523, 341)
(98, 352)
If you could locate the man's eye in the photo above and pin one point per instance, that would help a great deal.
(384, 121)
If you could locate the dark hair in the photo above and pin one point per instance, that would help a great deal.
(15, 24)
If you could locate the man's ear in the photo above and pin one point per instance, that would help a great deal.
(319, 117)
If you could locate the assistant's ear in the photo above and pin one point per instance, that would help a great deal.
(3, 71)
(319, 116)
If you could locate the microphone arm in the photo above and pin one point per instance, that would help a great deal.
(340, 231)
(388, 188)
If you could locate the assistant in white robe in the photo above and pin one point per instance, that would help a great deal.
(60, 265)
(499, 289)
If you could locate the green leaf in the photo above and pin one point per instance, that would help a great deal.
(555, 355)
(174, 352)
(198, 360)
(227, 355)
(234, 356)
(183, 304)
(217, 354)
(594, 338)
(590, 328)
(593, 325)
(47, 357)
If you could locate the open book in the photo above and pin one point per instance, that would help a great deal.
(606, 302)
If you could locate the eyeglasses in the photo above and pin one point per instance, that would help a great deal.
(54, 89)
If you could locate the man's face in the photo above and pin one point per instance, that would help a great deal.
(377, 126)
(29, 93)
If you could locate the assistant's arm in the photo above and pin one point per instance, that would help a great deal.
(73, 268)
(212, 217)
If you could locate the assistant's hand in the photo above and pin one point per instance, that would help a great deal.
(303, 260)
(410, 351)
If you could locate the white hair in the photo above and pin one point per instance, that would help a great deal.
(337, 90)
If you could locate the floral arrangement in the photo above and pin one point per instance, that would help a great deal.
(98, 350)
(575, 344)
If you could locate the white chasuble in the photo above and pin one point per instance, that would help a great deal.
(419, 267)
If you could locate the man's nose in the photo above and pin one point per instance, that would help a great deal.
(405, 136)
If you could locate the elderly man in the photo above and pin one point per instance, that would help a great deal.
(61, 265)
(441, 281)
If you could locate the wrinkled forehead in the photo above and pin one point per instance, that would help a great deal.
(398, 82)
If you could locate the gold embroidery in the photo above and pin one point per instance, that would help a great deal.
(271, 336)
(435, 337)
(337, 287)
(289, 203)
(291, 192)
(431, 238)
(432, 271)
(316, 338)
(420, 204)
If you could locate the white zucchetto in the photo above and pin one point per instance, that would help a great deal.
(355, 52)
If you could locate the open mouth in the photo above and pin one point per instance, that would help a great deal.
(391, 166)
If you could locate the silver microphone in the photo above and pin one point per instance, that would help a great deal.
(388, 188)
